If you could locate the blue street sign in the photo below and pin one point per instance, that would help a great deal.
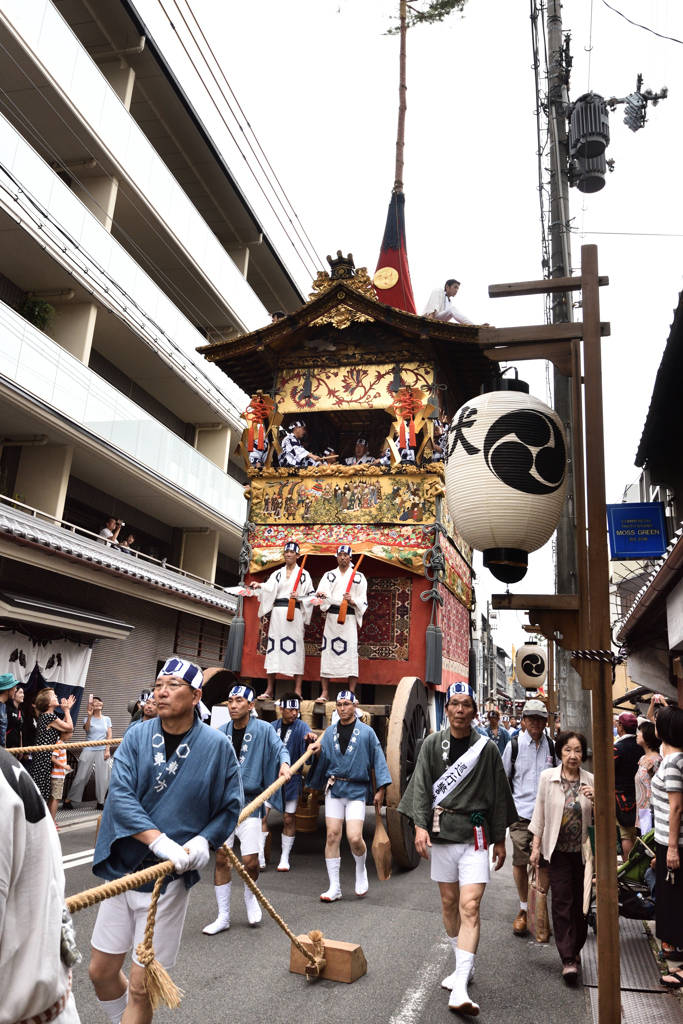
(637, 530)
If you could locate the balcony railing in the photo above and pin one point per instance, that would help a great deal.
(48, 209)
(46, 34)
(46, 371)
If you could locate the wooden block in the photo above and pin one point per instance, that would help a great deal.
(345, 960)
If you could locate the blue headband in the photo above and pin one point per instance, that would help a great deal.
(347, 695)
(344, 549)
(294, 704)
(460, 688)
(242, 691)
(185, 670)
(297, 423)
(292, 545)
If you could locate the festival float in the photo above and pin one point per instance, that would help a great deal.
(351, 365)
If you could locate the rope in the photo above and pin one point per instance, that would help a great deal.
(609, 657)
(90, 897)
(160, 988)
(255, 804)
(317, 961)
(20, 751)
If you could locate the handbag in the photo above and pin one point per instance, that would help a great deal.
(538, 922)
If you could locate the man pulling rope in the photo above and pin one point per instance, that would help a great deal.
(175, 788)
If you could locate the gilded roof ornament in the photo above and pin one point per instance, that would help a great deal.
(343, 272)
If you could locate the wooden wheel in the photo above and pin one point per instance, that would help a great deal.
(408, 726)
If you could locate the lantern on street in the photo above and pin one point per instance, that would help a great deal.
(531, 666)
(506, 475)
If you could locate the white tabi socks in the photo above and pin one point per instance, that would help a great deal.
(287, 844)
(460, 1001)
(262, 851)
(114, 1007)
(334, 892)
(449, 982)
(362, 884)
(253, 907)
(222, 922)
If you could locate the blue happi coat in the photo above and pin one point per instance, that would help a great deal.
(296, 745)
(260, 758)
(198, 791)
(353, 769)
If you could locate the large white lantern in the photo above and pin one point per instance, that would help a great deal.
(506, 475)
(531, 666)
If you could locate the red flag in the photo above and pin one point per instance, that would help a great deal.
(393, 256)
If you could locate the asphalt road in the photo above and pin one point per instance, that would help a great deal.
(242, 976)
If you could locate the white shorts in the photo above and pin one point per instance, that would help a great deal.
(344, 809)
(459, 862)
(121, 922)
(290, 806)
(249, 835)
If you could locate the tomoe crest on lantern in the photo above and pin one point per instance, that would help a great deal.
(506, 475)
(531, 666)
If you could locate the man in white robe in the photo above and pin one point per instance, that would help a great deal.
(441, 307)
(339, 656)
(285, 653)
(361, 454)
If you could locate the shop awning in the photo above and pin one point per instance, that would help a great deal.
(18, 608)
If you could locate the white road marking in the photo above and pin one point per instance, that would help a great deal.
(74, 860)
(414, 999)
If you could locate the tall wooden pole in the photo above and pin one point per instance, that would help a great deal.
(402, 101)
(597, 636)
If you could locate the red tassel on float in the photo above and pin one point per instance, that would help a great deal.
(402, 434)
(412, 432)
(250, 437)
(260, 437)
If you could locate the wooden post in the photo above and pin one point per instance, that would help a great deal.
(597, 636)
(552, 693)
(402, 102)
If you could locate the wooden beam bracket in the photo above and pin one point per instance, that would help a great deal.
(544, 287)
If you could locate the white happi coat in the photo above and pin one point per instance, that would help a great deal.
(339, 655)
(443, 306)
(285, 652)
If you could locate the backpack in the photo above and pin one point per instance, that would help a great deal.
(514, 747)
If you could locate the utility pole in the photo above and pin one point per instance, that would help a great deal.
(573, 701)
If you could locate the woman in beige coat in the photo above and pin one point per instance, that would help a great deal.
(563, 812)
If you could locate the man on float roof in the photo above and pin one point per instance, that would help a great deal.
(339, 655)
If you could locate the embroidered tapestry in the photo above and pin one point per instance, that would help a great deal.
(455, 626)
(347, 387)
(385, 624)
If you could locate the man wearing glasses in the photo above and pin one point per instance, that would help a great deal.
(460, 802)
(175, 789)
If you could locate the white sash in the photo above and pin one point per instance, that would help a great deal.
(454, 775)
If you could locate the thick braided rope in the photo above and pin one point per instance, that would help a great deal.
(158, 984)
(607, 656)
(261, 799)
(251, 884)
(19, 751)
(90, 897)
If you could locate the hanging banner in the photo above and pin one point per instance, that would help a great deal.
(637, 530)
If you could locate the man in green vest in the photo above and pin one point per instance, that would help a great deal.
(460, 802)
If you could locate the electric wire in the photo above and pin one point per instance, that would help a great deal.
(248, 124)
(306, 267)
(183, 300)
(670, 39)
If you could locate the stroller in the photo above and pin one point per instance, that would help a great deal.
(636, 900)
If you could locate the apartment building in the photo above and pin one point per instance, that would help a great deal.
(125, 243)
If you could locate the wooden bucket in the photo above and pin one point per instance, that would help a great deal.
(307, 811)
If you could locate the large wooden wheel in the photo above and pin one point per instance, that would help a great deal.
(408, 726)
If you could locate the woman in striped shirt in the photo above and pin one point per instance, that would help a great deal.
(667, 804)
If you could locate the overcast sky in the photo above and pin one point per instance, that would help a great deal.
(318, 82)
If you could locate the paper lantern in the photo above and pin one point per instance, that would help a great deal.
(531, 666)
(506, 475)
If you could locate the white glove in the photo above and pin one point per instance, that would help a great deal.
(165, 849)
(198, 849)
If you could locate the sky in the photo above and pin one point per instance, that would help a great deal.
(318, 84)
